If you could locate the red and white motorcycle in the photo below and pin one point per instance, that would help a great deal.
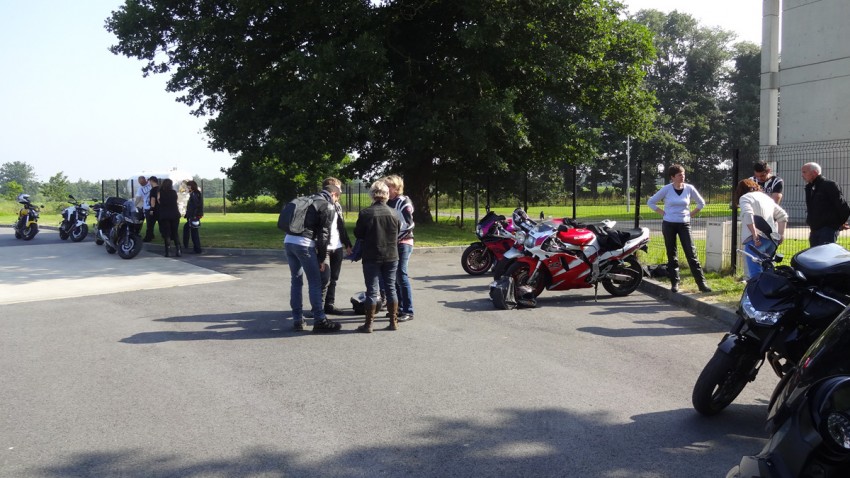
(573, 256)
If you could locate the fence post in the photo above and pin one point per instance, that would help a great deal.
(436, 200)
(637, 192)
(461, 202)
(575, 189)
(223, 197)
(735, 156)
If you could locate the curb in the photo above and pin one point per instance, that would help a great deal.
(688, 302)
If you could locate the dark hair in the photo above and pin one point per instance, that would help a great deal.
(193, 186)
(167, 185)
(674, 170)
(760, 167)
(154, 179)
(746, 186)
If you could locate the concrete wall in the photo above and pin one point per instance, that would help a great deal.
(814, 72)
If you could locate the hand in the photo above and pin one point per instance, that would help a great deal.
(322, 267)
(845, 226)
(347, 250)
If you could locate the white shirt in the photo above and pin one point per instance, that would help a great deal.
(760, 204)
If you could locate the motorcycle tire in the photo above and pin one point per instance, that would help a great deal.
(129, 245)
(721, 381)
(17, 235)
(476, 259)
(79, 233)
(99, 242)
(621, 288)
(63, 231)
(29, 232)
(520, 271)
(109, 249)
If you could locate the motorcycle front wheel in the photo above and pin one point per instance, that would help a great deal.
(476, 259)
(129, 245)
(29, 232)
(626, 278)
(721, 381)
(521, 272)
(79, 233)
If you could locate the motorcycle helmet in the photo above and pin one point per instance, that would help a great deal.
(23, 198)
(195, 223)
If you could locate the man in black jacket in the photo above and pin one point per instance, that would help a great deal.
(306, 254)
(826, 209)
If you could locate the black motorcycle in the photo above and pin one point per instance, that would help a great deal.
(118, 226)
(780, 315)
(809, 419)
(73, 223)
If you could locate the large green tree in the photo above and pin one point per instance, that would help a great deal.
(21, 173)
(56, 188)
(742, 105)
(294, 86)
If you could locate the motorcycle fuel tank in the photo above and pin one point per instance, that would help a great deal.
(576, 236)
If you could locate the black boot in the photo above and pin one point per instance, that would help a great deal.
(177, 250)
(167, 245)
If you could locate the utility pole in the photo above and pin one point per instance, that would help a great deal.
(628, 173)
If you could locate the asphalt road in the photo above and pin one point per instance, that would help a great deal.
(189, 369)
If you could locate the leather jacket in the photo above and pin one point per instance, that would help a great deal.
(318, 223)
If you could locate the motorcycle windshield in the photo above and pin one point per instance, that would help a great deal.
(828, 356)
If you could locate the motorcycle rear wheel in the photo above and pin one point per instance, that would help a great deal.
(63, 231)
(721, 381)
(521, 272)
(620, 288)
(129, 246)
(79, 233)
(29, 232)
(476, 259)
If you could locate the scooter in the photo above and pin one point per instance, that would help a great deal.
(26, 227)
(74, 221)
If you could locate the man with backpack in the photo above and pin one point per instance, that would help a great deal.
(307, 222)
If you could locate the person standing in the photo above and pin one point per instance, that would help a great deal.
(151, 213)
(168, 216)
(306, 255)
(338, 247)
(755, 203)
(142, 199)
(378, 227)
(826, 209)
(769, 184)
(677, 197)
(194, 213)
(404, 211)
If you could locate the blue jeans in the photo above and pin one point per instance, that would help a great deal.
(302, 261)
(824, 235)
(752, 269)
(378, 275)
(403, 288)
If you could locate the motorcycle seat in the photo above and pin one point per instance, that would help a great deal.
(824, 261)
(629, 234)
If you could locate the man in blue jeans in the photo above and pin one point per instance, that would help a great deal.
(306, 254)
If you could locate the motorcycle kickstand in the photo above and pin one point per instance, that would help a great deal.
(596, 292)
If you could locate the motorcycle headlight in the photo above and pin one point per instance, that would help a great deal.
(838, 427)
(760, 317)
(520, 237)
(529, 241)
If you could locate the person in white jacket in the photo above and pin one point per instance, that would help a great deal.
(754, 202)
(677, 197)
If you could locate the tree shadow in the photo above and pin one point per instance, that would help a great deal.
(512, 442)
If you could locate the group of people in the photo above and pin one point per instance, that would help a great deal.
(160, 205)
(384, 231)
(758, 196)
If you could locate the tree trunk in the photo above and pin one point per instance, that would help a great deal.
(417, 184)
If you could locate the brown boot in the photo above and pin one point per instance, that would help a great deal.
(366, 328)
(393, 311)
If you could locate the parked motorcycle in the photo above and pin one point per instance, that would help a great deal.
(809, 418)
(26, 227)
(780, 315)
(74, 221)
(118, 226)
(574, 256)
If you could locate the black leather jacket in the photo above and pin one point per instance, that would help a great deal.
(378, 226)
(825, 205)
(318, 223)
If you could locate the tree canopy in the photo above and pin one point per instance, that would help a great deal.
(299, 90)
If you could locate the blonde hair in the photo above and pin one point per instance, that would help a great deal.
(379, 191)
(332, 180)
(395, 181)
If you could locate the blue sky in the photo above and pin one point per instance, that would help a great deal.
(67, 104)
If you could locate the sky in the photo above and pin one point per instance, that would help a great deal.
(69, 105)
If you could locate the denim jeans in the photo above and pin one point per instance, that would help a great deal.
(380, 275)
(824, 235)
(752, 269)
(302, 261)
(403, 288)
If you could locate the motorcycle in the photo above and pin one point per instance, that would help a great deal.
(809, 418)
(573, 256)
(26, 226)
(118, 226)
(495, 236)
(781, 313)
(74, 221)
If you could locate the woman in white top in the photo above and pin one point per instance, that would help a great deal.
(754, 202)
(677, 197)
